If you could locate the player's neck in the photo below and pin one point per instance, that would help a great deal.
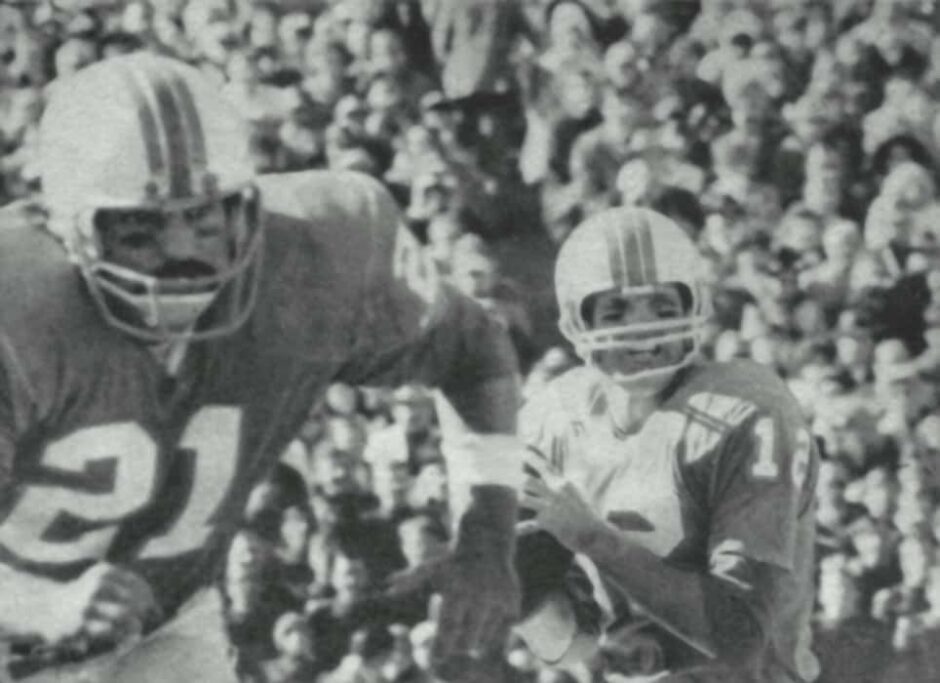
(629, 410)
(170, 355)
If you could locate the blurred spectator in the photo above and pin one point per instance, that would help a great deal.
(388, 56)
(423, 539)
(475, 272)
(354, 604)
(444, 231)
(73, 54)
(849, 642)
(336, 618)
(370, 650)
(325, 67)
(472, 41)
(553, 363)
(411, 440)
(349, 516)
(598, 154)
(255, 598)
(295, 662)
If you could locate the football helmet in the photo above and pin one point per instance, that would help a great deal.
(630, 250)
(147, 133)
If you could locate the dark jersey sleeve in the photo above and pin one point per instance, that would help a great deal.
(358, 288)
(17, 414)
(461, 347)
(761, 490)
(414, 328)
(7, 437)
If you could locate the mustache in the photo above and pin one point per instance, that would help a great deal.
(189, 269)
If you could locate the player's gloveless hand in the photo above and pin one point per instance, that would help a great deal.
(480, 598)
(559, 507)
(106, 603)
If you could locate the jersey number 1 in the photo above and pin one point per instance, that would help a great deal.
(74, 518)
(765, 464)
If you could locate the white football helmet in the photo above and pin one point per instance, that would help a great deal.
(147, 132)
(630, 250)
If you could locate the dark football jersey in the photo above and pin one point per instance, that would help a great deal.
(720, 475)
(105, 457)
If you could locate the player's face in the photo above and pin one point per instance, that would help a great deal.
(915, 561)
(932, 590)
(295, 532)
(615, 309)
(297, 642)
(336, 473)
(419, 544)
(247, 557)
(475, 275)
(870, 547)
(185, 244)
(415, 416)
(350, 576)
(838, 594)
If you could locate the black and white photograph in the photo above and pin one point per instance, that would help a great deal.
(469, 341)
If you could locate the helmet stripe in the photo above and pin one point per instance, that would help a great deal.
(631, 251)
(647, 252)
(196, 135)
(176, 137)
(615, 260)
(148, 125)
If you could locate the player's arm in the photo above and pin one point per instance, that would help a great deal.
(469, 359)
(723, 611)
(104, 602)
(560, 620)
(721, 618)
(476, 406)
(563, 626)
(416, 330)
(23, 610)
(413, 329)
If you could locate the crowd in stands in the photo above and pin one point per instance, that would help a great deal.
(795, 140)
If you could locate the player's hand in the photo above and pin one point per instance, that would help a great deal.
(480, 599)
(105, 603)
(559, 507)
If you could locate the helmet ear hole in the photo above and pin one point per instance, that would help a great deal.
(685, 296)
(587, 308)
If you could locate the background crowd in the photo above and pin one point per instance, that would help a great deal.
(796, 141)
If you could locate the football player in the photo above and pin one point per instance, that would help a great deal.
(687, 484)
(164, 329)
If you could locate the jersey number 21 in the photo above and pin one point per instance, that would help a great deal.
(131, 457)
